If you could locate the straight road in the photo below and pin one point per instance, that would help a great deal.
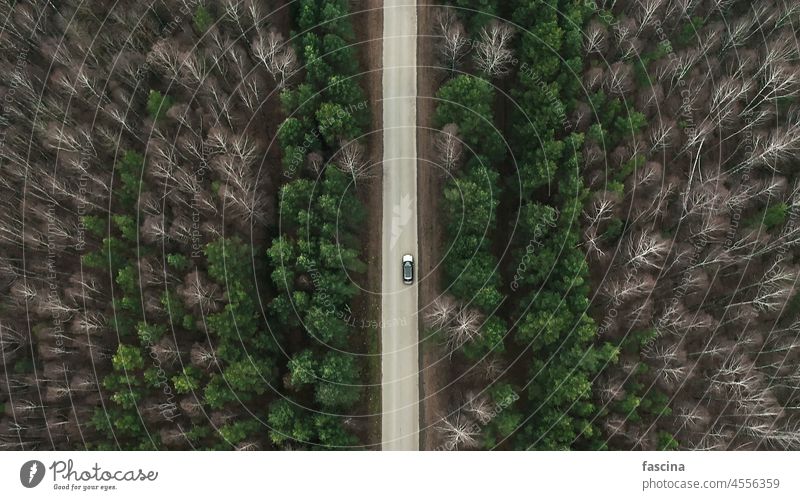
(399, 335)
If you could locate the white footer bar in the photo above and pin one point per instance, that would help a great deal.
(406, 476)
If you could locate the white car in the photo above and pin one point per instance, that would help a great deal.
(408, 269)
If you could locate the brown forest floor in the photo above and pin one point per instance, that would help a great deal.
(368, 22)
(433, 375)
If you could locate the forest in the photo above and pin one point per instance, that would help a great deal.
(171, 233)
(184, 225)
(620, 260)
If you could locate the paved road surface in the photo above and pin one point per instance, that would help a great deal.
(399, 336)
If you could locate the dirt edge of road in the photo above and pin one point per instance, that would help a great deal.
(430, 229)
(368, 24)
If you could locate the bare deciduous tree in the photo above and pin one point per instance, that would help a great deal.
(203, 356)
(480, 408)
(619, 79)
(199, 292)
(441, 311)
(630, 286)
(646, 250)
(350, 160)
(493, 55)
(449, 147)
(457, 431)
(454, 43)
(596, 38)
(276, 55)
(647, 12)
(464, 327)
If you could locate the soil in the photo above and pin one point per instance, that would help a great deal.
(368, 23)
(429, 188)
